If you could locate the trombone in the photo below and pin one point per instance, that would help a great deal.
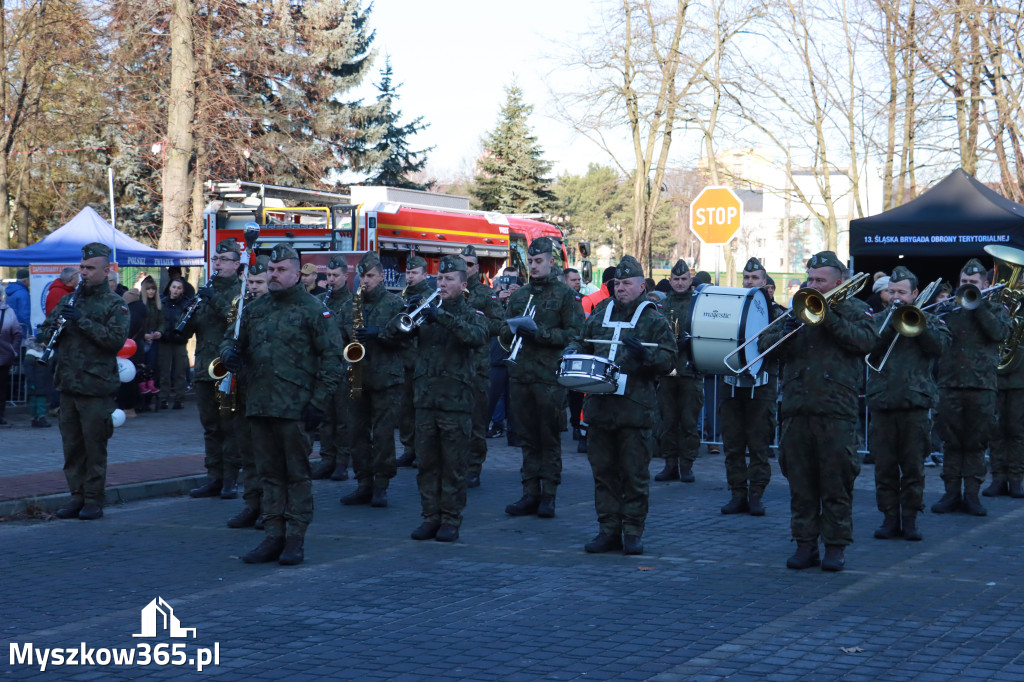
(409, 321)
(517, 342)
(810, 306)
(907, 320)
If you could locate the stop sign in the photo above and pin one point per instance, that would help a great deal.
(716, 215)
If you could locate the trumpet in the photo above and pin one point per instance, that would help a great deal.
(967, 297)
(810, 306)
(409, 321)
(517, 342)
(906, 320)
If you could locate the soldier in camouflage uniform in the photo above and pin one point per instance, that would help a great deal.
(482, 298)
(373, 415)
(209, 323)
(899, 398)
(680, 397)
(417, 289)
(1006, 451)
(620, 439)
(967, 395)
(748, 424)
(537, 399)
(292, 350)
(335, 445)
(821, 381)
(445, 382)
(256, 284)
(86, 375)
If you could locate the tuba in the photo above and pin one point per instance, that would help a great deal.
(1009, 264)
(355, 351)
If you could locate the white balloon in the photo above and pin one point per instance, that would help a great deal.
(118, 417)
(126, 369)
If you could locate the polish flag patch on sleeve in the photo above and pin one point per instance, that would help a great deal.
(326, 313)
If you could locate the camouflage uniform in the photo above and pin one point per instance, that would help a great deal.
(537, 399)
(445, 384)
(483, 299)
(291, 350)
(407, 420)
(1007, 447)
(335, 445)
(86, 375)
(680, 397)
(899, 398)
(620, 438)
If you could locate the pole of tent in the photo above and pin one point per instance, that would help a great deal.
(113, 224)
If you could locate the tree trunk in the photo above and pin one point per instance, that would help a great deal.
(180, 135)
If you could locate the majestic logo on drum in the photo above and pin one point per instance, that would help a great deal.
(714, 314)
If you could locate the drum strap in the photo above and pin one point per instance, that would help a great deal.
(617, 327)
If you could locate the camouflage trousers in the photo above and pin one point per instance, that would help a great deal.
(620, 460)
(818, 456)
(480, 417)
(680, 400)
(442, 447)
(407, 417)
(85, 428)
(253, 491)
(1007, 447)
(537, 413)
(373, 418)
(747, 428)
(222, 458)
(282, 450)
(900, 441)
(335, 447)
(967, 419)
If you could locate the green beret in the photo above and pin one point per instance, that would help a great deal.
(338, 263)
(259, 266)
(229, 245)
(413, 262)
(541, 245)
(825, 259)
(368, 262)
(974, 267)
(753, 265)
(96, 250)
(451, 264)
(900, 273)
(680, 268)
(468, 250)
(628, 267)
(281, 252)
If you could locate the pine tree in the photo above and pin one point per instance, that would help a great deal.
(395, 163)
(512, 170)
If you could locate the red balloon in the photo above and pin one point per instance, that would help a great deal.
(127, 350)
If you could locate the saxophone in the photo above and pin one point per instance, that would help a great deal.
(355, 351)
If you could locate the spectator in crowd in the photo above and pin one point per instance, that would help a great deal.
(572, 279)
(174, 273)
(128, 393)
(10, 349)
(61, 286)
(19, 301)
(152, 332)
(173, 357)
(114, 280)
(702, 277)
(310, 280)
(607, 285)
(38, 384)
(879, 297)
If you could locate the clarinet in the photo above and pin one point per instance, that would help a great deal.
(193, 304)
(327, 296)
(61, 324)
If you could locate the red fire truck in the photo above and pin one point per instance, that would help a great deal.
(395, 223)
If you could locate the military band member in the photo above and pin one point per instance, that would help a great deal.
(445, 384)
(1006, 452)
(967, 395)
(621, 434)
(537, 399)
(482, 298)
(209, 323)
(821, 380)
(417, 290)
(748, 426)
(899, 398)
(373, 415)
(291, 350)
(681, 396)
(86, 375)
(335, 448)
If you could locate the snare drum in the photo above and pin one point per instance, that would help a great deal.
(588, 374)
(721, 319)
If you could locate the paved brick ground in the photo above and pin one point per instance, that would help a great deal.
(518, 599)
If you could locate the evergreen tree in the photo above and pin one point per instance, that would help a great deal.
(511, 177)
(395, 163)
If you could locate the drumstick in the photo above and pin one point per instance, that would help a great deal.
(615, 343)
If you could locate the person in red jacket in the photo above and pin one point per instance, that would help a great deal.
(64, 284)
(591, 300)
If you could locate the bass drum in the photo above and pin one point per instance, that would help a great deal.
(721, 319)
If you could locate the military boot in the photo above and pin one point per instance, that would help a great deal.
(268, 550)
(670, 472)
(447, 533)
(406, 460)
(889, 529)
(524, 506)
(806, 555)
(361, 495)
(1015, 487)
(70, 510)
(259, 523)
(245, 518)
(90, 512)
(998, 487)
(604, 542)
(834, 560)
(293, 552)
(323, 470)
(229, 488)
(632, 545)
(972, 505)
(737, 505)
(686, 473)
(950, 502)
(426, 531)
(755, 504)
(379, 498)
(211, 488)
(910, 529)
(546, 507)
(340, 472)
(473, 480)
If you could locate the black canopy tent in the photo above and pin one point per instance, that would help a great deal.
(937, 232)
